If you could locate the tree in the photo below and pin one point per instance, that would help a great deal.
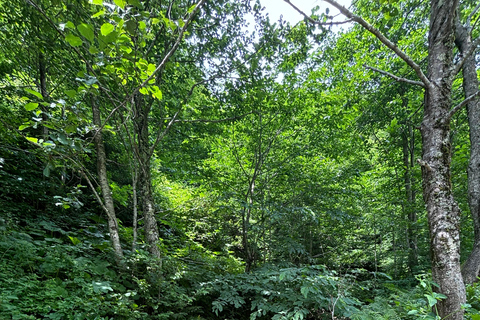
(442, 209)
(463, 41)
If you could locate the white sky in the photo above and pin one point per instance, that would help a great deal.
(275, 8)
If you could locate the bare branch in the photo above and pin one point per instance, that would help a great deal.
(391, 75)
(215, 120)
(321, 24)
(460, 105)
(392, 46)
(470, 51)
(469, 19)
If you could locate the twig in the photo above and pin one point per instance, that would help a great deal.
(418, 83)
(470, 51)
(460, 105)
(392, 46)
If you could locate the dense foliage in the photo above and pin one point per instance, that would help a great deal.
(196, 160)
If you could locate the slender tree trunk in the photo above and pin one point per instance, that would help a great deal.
(145, 178)
(42, 72)
(106, 191)
(135, 206)
(443, 212)
(408, 162)
(463, 40)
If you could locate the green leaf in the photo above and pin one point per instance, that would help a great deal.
(35, 93)
(131, 26)
(62, 138)
(74, 240)
(120, 3)
(70, 25)
(46, 171)
(431, 300)
(101, 286)
(143, 90)
(106, 28)
(71, 93)
(98, 14)
(156, 92)
(23, 127)
(86, 30)
(74, 41)
(135, 3)
(93, 50)
(97, 2)
(31, 139)
(31, 106)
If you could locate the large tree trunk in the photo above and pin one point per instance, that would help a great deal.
(443, 212)
(463, 40)
(106, 191)
(145, 178)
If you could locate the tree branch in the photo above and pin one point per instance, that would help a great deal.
(392, 46)
(215, 120)
(470, 51)
(460, 105)
(469, 19)
(388, 74)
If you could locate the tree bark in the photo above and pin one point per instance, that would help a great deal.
(463, 40)
(408, 162)
(42, 72)
(442, 210)
(145, 178)
(104, 185)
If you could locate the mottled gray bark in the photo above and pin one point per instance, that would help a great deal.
(463, 40)
(145, 178)
(409, 162)
(108, 204)
(443, 211)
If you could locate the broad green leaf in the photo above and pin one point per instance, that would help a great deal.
(35, 93)
(135, 3)
(101, 286)
(71, 93)
(23, 127)
(131, 26)
(98, 14)
(120, 3)
(46, 171)
(62, 138)
(31, 106)
(70, 25)
(156, 92)
(106, 28)
(431, 300)
(74, 240)
(86, 30)
(97, 2)
(143, 90)
(31, 139)
(74, 41)
(93, 50)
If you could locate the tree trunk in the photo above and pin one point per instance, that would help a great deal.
(106, 191)
(408, 162)
(145, 178)
(443, 212)
(42, 72)
(463, 40)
